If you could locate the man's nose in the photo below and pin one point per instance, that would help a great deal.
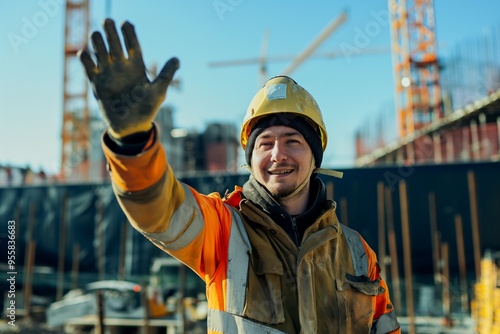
(278, 152)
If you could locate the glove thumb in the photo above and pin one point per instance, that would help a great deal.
(166, 74)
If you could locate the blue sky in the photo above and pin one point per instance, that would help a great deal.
(349, 89)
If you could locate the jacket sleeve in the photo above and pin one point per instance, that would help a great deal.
(190, 226)
(384, 319)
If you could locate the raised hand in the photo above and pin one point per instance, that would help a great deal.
(128, 100)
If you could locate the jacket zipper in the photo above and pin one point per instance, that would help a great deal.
(295, 232)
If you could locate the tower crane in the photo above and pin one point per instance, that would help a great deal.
(315, 44)
(416, 68)
(76, 120)
(296, 61)
(76, 161)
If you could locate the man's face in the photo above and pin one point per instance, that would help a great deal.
(281, 160)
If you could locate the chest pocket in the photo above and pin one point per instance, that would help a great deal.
(263, 301)
(358, 293)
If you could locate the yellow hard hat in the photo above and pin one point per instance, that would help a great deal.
(282, 94)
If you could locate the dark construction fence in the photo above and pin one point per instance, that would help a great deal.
(85, 222)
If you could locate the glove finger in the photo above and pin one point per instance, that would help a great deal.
(131, 41)
(100, 49)
(166, 74)
(115, 46)
(88, 64)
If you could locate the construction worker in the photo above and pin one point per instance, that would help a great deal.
(273, 255)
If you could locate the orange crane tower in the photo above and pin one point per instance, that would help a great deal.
(76, 121)
(415, 61)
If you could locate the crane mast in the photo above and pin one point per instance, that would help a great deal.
(415, 61)
(76, 120)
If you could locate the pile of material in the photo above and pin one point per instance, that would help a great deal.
(486, 305)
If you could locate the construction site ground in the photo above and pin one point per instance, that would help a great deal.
(423, 325)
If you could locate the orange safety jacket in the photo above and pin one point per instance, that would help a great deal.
(257, 280)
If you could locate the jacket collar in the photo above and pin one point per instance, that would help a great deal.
(258, 195)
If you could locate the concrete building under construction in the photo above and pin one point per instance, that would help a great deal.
(447, 109)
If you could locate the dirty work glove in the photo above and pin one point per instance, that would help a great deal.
(128, 100)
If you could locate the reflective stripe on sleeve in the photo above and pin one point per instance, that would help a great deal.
(237, 266)
(186, 223)
(385, 324)
(358, 253)
(223, 322)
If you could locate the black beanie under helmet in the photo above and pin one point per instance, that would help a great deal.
(294, 121)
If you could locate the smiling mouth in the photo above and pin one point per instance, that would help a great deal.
(281, 172)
